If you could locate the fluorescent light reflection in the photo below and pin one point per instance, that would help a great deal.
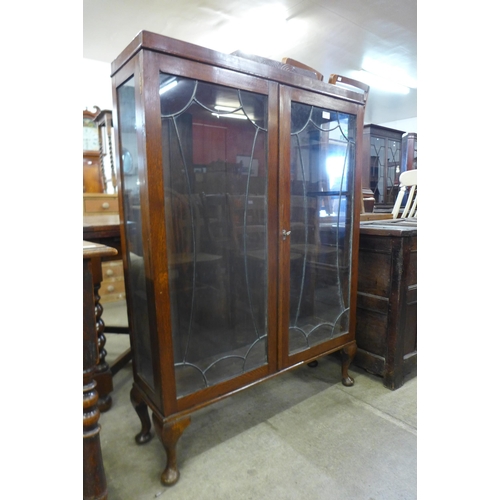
(168, 85)
(230, 113)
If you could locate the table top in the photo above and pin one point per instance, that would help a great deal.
(390, 227)
(91, 250)
(101, 226)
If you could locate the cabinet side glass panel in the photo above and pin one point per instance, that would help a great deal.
(377, 168)
(322, 156)
(214, 144)
(136, 293)
(393, 170)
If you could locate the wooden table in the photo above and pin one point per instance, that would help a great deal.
(94, 479)
(104, 230)
(386, 314)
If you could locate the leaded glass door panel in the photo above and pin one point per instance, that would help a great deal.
(215, 175)
(318, 215)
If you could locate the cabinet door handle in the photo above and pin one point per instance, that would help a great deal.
(285, 233)
(105, 205)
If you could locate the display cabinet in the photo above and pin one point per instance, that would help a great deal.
(238, 191)
(409, 151)
(382, 162)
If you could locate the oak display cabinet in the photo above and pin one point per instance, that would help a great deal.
(238, 190)
(382, 163)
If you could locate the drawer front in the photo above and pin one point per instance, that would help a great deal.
(112, 269)
(112, 297)
(109, 287)
(101, 205)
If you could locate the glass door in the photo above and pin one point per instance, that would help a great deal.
(317, 161)
(215, 176)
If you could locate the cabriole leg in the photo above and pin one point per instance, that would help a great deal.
(169, 433)
(347, 355)
(141, 409)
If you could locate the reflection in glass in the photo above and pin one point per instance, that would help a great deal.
(136, 298)
(321, 211)
(214, 143)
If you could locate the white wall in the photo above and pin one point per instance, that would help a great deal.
(97, 86)
(407, 125)
(97, 92)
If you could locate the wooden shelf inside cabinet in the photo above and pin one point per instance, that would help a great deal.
(239, 262)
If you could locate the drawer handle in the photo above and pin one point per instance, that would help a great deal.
(111, 288)
(109, 272)
(105, 205)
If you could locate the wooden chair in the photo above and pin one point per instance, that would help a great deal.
(344, 81)
(298, 64)
(407, 180)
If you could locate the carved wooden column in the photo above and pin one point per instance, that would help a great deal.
(94, 478)
(103, 375)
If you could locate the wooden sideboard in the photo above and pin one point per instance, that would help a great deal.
(94, 478)
(386, 319)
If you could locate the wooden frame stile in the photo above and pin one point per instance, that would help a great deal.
(284, 221)
(154, 224)
(273, 221)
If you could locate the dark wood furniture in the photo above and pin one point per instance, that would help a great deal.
(409, 152)
(298, 64)
(105, 230)
(94, 478)
(240, 201)
(92, 173)
(381, 164)
(104, 122)
(386, 322)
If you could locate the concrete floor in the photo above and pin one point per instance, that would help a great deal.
(300, 435)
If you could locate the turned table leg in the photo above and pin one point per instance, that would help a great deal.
(169, 433)
(94, 478)
(347, 355)
(102, 375)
